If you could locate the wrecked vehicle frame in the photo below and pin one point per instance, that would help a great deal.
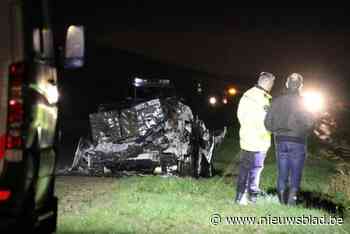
(159, 136)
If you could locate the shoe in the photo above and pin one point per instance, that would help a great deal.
(262, 193)
(282, 197)
(241, 198)
(292, 198)
(253, 197)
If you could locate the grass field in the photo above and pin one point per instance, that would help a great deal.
(154, 204)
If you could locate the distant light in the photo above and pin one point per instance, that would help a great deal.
(199, 88)
(313, 101)
(232, 91)
(212, 100)
(224, 100)
(73, 28)
(138, 82)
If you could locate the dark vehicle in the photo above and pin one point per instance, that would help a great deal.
(28, 114)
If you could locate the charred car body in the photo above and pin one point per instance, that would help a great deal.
(160, 135)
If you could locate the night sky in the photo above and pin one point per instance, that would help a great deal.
(231, 44)
(236, 43)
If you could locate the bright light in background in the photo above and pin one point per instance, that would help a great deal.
(212, 100)
(313, 101)
(232, 91)
(224, 100)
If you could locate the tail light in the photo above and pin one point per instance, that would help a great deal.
(4, 195)
(15, 106)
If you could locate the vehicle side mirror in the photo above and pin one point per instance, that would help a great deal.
(75, 47)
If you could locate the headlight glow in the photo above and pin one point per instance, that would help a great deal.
(212, 100)
(232, 91)
(313, 101)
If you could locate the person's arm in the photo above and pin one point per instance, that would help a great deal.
(308, 119)
(242, 110)
(246, 111)
(268, 121)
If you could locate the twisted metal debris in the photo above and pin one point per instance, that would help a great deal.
(157, 136)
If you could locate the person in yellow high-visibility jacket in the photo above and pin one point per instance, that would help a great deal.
(255, 140)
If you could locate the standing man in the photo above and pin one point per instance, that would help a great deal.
(290, 123)
(255, 140)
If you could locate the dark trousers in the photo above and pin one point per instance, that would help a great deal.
(250, 168)
(290, 163)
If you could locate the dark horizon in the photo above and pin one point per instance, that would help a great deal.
(229, 43)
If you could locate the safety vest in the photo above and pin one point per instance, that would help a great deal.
(251, 113)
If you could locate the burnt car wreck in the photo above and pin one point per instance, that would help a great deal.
(157, 136)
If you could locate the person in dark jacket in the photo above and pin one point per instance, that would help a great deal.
(290, 122)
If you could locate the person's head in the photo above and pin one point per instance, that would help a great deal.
(266, 80)
(294, 82)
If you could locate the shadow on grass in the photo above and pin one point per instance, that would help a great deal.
(317, 200)
(218, 172)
